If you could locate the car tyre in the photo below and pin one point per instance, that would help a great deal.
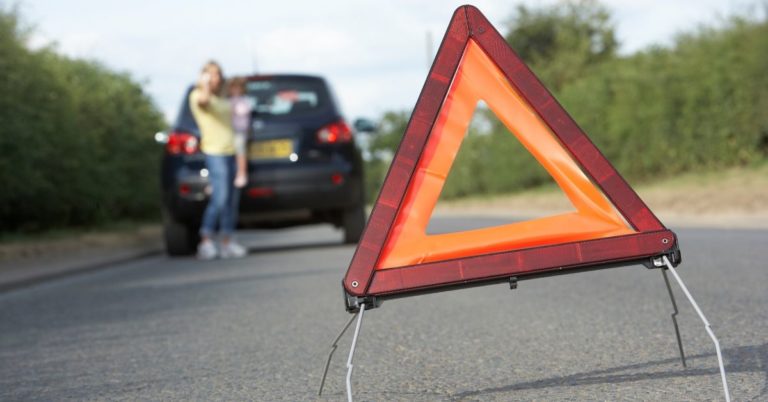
(180, 239)
(353, 220)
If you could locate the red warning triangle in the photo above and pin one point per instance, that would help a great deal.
(610, 224)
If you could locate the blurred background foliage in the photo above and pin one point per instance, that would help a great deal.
(75, 139)
(700, 104)
(77, 149)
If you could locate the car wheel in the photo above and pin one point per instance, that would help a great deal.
(180, 239)
(354, 223)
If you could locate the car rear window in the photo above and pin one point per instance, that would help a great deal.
(287, 97)
(185, 121)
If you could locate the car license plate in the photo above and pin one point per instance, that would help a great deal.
(272, 149)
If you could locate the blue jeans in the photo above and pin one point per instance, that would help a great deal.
(225, 197)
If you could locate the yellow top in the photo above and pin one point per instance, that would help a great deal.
(215, 123)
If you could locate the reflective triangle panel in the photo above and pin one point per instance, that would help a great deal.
(477, 78)
(609, 222)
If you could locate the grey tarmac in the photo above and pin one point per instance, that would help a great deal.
(259, 329)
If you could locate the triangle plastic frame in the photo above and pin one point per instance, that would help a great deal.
(363, 283)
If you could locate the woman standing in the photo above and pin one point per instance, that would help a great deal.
(213, 115)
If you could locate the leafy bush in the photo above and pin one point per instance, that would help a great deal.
(698, 105)
(75, 139)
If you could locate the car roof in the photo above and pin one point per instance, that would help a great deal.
(259, 77)
(262, 77)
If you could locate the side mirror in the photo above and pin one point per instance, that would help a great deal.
(161, 137)
(364, 126)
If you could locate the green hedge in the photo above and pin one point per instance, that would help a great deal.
(701, 104)
(76, 145)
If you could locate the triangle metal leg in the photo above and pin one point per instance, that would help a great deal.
(674, 316)
(352, 351)
(334, 345)
(707, 326)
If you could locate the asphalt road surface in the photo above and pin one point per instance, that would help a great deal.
(259, 329)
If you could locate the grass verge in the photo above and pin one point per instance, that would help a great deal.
(731, 197)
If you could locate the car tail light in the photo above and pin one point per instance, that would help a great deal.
(181, 143)
(260, 192)
(335, 133)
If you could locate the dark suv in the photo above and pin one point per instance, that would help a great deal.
(303, 164)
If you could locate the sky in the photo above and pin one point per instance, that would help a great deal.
(374, 53)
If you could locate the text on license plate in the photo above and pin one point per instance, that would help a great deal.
(272, 149)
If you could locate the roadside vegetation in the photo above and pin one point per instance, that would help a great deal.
(76, 148)
(729, 197)
(696, 106)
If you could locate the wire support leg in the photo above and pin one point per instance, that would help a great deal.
(674, 317)
(334, 345)
(352, 352)
(707, 326)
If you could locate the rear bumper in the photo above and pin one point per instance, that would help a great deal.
(288, 193)
(321, 186)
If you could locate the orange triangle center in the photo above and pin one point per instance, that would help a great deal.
(478, 78)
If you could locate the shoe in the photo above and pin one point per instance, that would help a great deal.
(206, 250)
(233, 250)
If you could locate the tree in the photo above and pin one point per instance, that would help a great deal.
(561, 41)
(75, 139)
